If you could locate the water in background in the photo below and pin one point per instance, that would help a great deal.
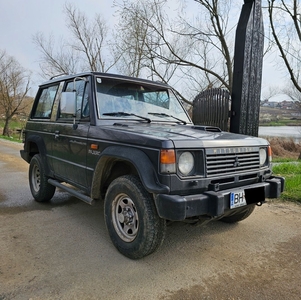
(281, 131)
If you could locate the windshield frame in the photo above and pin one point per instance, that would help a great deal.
(168, 114)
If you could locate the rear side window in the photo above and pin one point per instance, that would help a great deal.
(45, 102)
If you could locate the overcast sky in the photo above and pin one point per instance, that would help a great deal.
(21, 19)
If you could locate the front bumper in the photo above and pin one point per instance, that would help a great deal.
(214, 204)
(24, 155)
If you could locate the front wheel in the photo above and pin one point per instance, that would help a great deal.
(240, 215)
(131, 218)
(40, 189)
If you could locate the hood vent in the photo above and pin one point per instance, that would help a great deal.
(208, 128)
(121, 124)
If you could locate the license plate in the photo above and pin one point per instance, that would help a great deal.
(237, 199)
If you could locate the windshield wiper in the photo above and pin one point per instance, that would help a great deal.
(166, 115)
(123, 114)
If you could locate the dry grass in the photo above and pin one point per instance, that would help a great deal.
(285, 148)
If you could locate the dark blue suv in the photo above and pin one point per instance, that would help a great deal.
(130, 142)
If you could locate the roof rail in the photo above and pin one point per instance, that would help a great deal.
(58, 75)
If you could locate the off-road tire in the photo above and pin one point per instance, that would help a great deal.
(131, 218)
(240, 215)
(40, 189)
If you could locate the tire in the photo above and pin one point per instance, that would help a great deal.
(131, 218)
(240, 215)
(40, 189)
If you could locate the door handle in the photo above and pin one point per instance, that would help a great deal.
(56, 134)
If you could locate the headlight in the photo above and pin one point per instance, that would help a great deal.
(262, 156)
(186, 163)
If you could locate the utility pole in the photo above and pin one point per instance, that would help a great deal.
(247, 74)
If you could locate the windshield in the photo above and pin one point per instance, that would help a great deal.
(126, 100)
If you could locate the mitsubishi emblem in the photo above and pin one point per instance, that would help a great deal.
(236, 163)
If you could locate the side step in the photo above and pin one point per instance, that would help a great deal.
(72, 191)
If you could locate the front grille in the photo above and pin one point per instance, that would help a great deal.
(227, 161)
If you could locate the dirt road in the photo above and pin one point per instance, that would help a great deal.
(61, 250)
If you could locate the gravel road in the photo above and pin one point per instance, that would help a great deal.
(61, 250)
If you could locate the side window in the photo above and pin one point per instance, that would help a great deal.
(85, 106)
(82, 103)
(45, 102)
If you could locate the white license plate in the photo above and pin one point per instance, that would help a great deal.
(237, 199)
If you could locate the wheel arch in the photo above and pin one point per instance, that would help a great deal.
(36, 145)
(116, 161)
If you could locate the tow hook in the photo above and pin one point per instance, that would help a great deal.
(259, 203)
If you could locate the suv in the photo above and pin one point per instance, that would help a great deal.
(130, 142)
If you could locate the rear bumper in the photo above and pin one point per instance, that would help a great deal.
(214, 204)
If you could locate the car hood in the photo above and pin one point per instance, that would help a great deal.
(179, 136)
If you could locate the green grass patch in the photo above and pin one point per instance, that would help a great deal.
(14, 125)
(281, 122)
(283, 159)
(11, 138)
(292, 173)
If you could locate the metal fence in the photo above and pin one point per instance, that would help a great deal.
(211, 108)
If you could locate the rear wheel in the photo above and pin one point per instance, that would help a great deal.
(240, 215)
(40, 189)
(131, 218)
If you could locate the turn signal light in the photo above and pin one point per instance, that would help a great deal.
(270, 153)
(168, 161)
(94, 146)
(167, 157)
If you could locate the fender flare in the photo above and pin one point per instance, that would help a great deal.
(138, 159)
(40, 147)
(36, 140)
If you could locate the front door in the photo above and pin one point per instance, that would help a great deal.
(69, 148)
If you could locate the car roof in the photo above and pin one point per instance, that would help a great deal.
(65, 77)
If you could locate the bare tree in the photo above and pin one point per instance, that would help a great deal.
(88, 37)
(55, 60)
(196, 53)
(210, 41)
(134, 37)
(271, 92)
(131, 38)
(87, 48)
(14, 87)
(294, 94)
(285, 22)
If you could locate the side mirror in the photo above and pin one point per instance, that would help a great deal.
(68, 103)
